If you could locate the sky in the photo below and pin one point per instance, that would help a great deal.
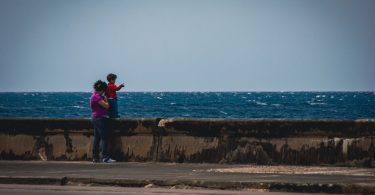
(192, 45)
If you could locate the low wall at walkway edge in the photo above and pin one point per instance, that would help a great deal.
(260, 141)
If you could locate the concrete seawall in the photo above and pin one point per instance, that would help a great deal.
(260, 141)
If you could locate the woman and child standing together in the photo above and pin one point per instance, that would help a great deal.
(103, 103)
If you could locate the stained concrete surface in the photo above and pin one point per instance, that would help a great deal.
(340, 142)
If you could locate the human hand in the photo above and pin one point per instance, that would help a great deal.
(122, 85)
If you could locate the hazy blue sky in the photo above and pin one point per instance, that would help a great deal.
(205, 45)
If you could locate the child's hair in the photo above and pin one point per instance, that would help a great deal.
(111, 76)
(100, 85)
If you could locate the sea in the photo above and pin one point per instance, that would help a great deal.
(301, 105)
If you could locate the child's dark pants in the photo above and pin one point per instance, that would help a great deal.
(113, 110)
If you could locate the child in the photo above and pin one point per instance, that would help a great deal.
(112, 96)
(99, 107)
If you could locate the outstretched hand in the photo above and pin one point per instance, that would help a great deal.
(122, 85)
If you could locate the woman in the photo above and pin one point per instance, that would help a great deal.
(99, 106)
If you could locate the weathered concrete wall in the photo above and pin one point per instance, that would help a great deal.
(261, 141)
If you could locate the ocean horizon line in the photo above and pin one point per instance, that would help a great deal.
(202, 91)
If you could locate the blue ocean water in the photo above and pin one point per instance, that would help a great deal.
(196, 104)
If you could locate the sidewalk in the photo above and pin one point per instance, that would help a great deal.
(213, 176)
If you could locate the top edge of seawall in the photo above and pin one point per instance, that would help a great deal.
(204, 127)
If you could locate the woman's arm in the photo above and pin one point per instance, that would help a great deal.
(104, 103)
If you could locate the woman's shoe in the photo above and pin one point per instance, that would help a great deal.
(108, 160)
(95, 160)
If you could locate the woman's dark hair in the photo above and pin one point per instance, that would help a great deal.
(100, 85)
(111, 76)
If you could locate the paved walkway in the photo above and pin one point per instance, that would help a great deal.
(213, 176)
(109, 190)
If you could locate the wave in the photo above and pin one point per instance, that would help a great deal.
(80, 107)
(316, 103)
(261, 103)
(223, 112)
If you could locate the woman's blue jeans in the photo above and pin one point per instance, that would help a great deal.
(101, 137)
